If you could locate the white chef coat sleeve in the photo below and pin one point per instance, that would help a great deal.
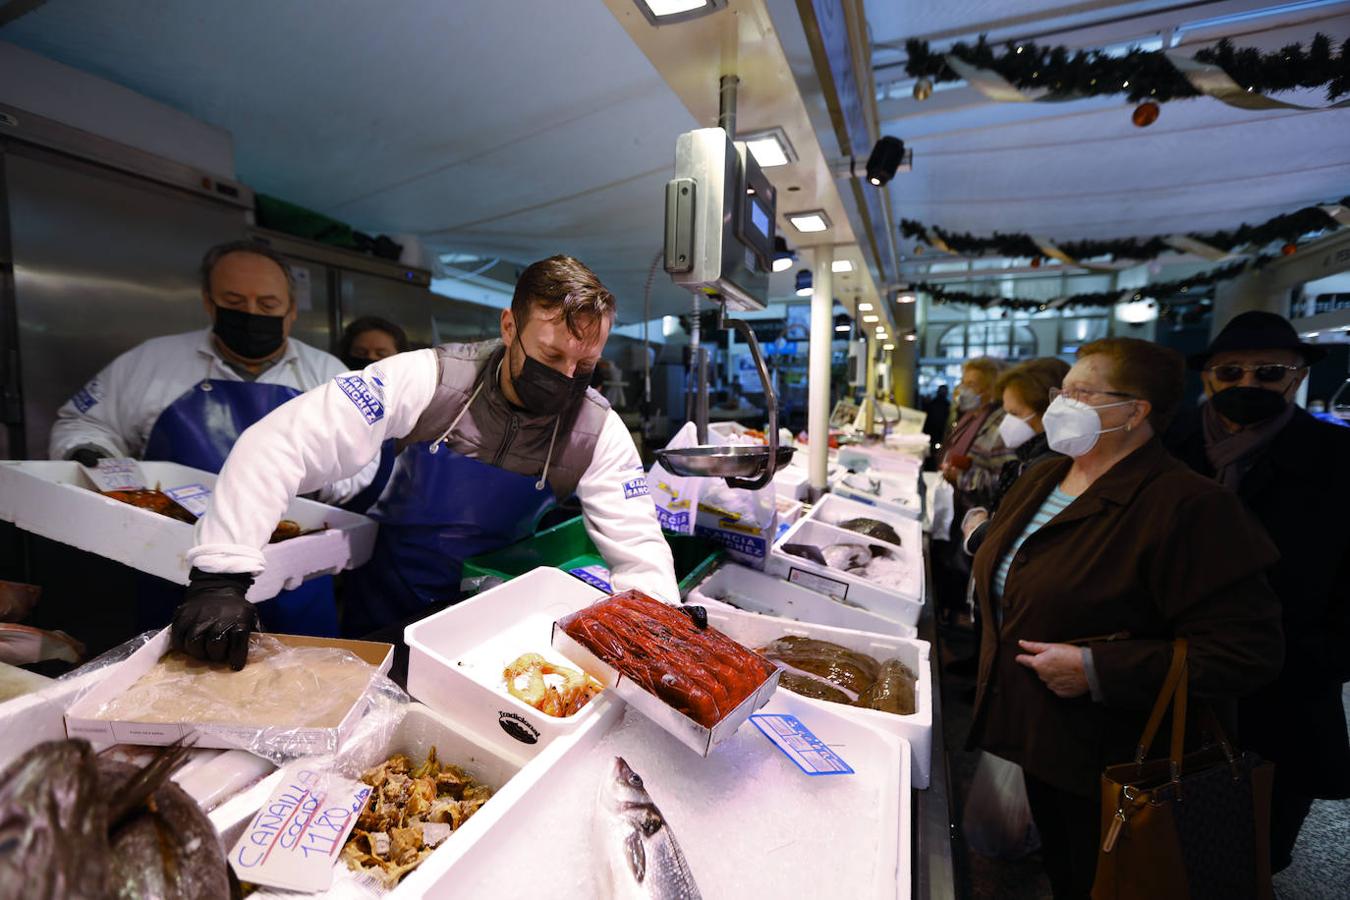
(97, 415)
(621, 517)
(324, 435)
(344, 489)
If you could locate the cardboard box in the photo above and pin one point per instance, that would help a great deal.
(80, 721)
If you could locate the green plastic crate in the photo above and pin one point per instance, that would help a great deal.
(567, 547)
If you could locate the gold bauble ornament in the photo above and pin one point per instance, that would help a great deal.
(1145, 114)
(923, 89)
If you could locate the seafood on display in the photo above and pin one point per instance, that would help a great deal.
(698, 671)
(411, 811)
(873, 562)
(827, 671)
(873, 528)
(156, 501)
(644, 861)
(525, 680)
(80, 825)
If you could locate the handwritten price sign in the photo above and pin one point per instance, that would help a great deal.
(293, 841)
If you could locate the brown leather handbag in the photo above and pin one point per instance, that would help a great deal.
(1193, 826)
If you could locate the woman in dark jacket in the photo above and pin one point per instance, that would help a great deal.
(1025, 390)
(1090, 570)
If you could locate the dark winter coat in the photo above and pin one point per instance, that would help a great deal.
(1299, 490)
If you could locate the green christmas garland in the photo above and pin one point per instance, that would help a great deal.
(1165, 292)
(1286, 228)
(1140, 74)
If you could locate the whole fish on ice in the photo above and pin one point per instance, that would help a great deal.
(643, 860)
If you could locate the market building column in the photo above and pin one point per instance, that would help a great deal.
(818, 369)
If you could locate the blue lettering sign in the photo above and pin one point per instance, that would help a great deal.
(362, 397)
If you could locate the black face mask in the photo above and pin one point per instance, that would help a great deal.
(1248, 405)
(249, 335)
(544, 390)
(356, 363)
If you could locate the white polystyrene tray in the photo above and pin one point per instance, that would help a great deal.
(57, 501)
(456, 657)
(769, 595)
(791, 482)
(898, 494)
(510, 775)
(917, 728)
(749, 822)
(835, 508)
(902, 605)
(860, 457)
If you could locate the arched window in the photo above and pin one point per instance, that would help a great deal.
(1001, 340)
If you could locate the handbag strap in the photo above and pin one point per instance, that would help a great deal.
(1173, 685)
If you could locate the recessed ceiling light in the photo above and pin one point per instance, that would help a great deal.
(810, 222)
(665, 12)
(770, 148)
(864, 307)
(909, 337)
(871, 319)
(887, 346)
(905, 298)
(843, 328)
(841, 265)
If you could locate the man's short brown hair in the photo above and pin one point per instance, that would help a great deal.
(1145, 370)
(1032, 381)
(257, 248)
(563, 283)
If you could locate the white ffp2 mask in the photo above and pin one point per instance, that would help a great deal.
(1072, 427)
(1014, 431)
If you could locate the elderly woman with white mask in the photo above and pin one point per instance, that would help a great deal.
(1092, 567)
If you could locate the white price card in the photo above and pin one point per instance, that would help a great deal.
(117, 474)
(800, 744)
(192, 497)
(294, 840)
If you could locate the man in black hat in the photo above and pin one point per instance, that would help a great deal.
(1293, 473)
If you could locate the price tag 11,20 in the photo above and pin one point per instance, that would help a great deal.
(294, 840)
(117, 474)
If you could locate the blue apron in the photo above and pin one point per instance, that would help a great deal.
(199, 429)
(439, 509)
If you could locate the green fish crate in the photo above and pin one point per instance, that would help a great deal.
(567, 547)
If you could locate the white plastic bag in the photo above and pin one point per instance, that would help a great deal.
(997, 818)
(744, 522)
(942, 509)
(676, 496)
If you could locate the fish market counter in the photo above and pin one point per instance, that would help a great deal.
(934, 876)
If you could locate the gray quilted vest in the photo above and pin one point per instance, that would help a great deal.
(495, 432)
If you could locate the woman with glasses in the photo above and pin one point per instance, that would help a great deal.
(1092, 566)
(1293, 472)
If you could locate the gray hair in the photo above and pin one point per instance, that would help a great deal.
(257, 248)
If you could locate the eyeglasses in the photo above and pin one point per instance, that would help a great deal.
(1080, 394)
(1268, 373)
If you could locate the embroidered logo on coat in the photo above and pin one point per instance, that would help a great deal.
(87, 397)
(635, 488)
(362, 398)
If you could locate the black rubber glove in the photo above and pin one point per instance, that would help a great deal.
(88, 457)
(214, 620)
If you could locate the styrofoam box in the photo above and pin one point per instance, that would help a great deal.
(509, 774)
(56, 500)
(835, 508)
(917, 728)
(456, 657)
(791, 482)
(901, 605)
(898, 495)
(878, 457)
(548, 844)
(768, 595)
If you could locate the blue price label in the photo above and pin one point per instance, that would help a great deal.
(800, 745)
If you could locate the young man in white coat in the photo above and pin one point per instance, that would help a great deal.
(491, 435)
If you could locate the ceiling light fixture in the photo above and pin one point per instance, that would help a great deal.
(841, 265)
(810, 222)
(804, 283)
(870, 319)
(770, 148)
(843, 328)
(668, 12)
(783, 256)
(864, 307)
(905, 298)
(887, 155)
(887, 346)
(910, 336)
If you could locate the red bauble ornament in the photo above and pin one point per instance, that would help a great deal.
(1035, 262)
(1289, 249)
(1145, 114)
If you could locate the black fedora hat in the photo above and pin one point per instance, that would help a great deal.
(1257, 331)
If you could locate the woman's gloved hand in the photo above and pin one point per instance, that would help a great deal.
(214, 620)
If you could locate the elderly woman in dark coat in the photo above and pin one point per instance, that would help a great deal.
(1091, 567)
